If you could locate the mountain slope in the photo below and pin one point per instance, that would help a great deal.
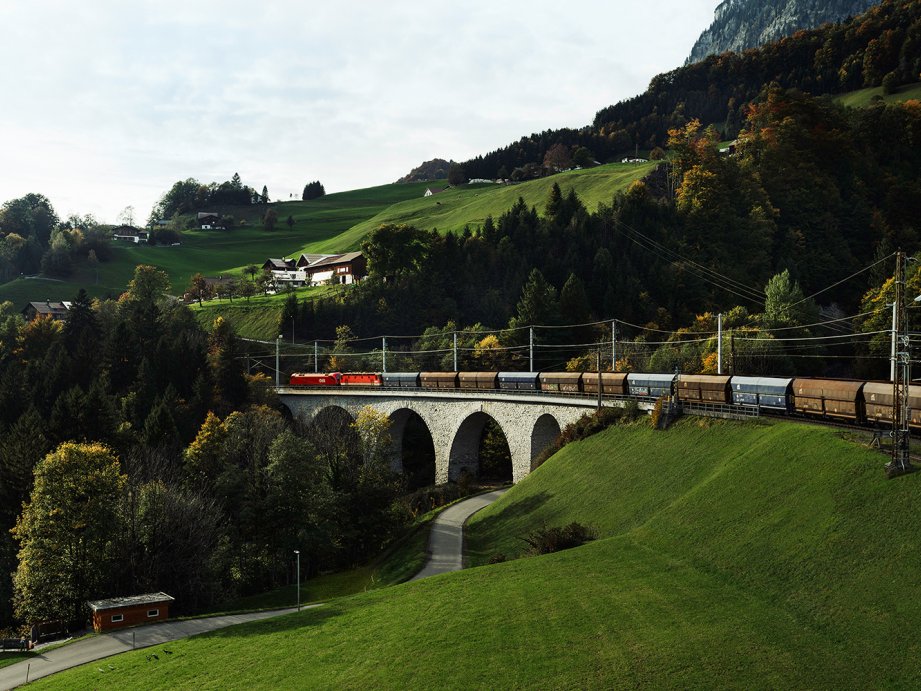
(742, 24)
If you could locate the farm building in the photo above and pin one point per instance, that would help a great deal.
(55, 310)
(120, 612)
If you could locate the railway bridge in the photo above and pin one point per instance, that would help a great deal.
(455, 419)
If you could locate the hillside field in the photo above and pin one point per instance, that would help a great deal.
(741, 555)
(862, 98)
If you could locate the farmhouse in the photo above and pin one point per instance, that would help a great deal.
(119, 612)
(429, 191)
(314, 269)
(55, 310)
(129, 234)
(210, 221)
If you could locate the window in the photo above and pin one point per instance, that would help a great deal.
(153, 613)
(117, 618)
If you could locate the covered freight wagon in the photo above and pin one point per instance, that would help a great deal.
(612, 383)
(438, 380)
(831, 397)
(650, 385)
(484, 381)
(564, 382)
(762, 392)
(401, 380)
(878, 400)
(518, 381)
(703, 388)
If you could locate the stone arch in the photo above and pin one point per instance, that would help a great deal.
(546, 429)
(418, 463)
(465, 446)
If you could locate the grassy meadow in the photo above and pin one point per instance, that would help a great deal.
(739, 555)
(862, 97)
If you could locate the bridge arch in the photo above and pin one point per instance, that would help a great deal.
(546, 429)
(413, 448)
(464, 452)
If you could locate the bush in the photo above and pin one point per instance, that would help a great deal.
(428, 498)
(548, 540)
(497, 558)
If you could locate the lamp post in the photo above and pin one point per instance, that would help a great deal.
(277, 360)
(298, 553)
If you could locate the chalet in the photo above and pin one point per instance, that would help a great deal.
(431, 191)
(55, 310)
(120, 612)
(210, 221)
(342, 268)
(129, 234)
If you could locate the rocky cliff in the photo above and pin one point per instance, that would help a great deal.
(742, 24)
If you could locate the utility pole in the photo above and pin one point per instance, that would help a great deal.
(277, 360)
(613, 345)
(719, 343)
(901, 435)
(455, 351)
(732, 352)
(599, 375)
(895, 318)
(531, 330)
(298, 553)
(384, 356)
(316, 357)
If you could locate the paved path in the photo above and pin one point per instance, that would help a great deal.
(108, 644)
(446, 539)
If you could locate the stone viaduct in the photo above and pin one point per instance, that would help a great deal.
(455, 420)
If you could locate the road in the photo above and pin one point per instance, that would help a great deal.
(446, 539)
(104, 645)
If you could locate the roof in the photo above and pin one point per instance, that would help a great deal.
(130, 601)
(125, 230)
(202, 215)
(48, 307)
(434, 190)
(279, 264)
(312, 259)
(336, 259)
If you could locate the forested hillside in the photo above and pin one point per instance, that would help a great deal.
(882, 46)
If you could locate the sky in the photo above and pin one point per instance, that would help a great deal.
(105, 104)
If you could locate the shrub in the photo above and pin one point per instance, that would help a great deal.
(553, 539)
(497, 558)
(427, 498)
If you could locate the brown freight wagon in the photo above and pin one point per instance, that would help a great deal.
(612, 383)
(438, 380)
(703, 388)
(565, 382)
(877, 398)
(831, 397)
(484, 381)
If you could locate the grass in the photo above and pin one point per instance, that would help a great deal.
(862, 97)
(10, 658)
(736, 555)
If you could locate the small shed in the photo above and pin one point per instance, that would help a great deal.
(120, 612)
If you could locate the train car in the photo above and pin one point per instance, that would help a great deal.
(650, 385)
(829, 397)
(878, 400)
(771, 393)
(519, 381)
(400, 380)
(484, 381)
(315, 379)
(703, 388)
(361, 379)
(612, 383)
(438, 380)
(564, 382)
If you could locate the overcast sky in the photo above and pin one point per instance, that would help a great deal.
(106, 103)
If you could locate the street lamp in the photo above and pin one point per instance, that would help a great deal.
(298, 553)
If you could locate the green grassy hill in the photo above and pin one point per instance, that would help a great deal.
(862, 98)
(731, 555)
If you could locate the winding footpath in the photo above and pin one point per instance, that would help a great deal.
(446, 553)
(446, 539)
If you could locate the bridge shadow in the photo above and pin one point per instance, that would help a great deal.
(492, 528)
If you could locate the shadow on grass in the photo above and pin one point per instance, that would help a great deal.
(513, 511)
(282, 624)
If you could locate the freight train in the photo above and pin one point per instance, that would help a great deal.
(861, 402)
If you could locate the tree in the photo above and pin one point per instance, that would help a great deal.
(290, 221)
(313, 190)
(784, 304)
(66, 532)
(265, 195)
(456, 174)
(127, 216)
(373, 429)
(392, 250)
(226, 368)
(199, 288)
(583, 157)
(148, 285)
(557, 158)
(270, 219)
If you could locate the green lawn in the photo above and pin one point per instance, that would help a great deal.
(739, 555)
(11, 658)
(862, 98)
